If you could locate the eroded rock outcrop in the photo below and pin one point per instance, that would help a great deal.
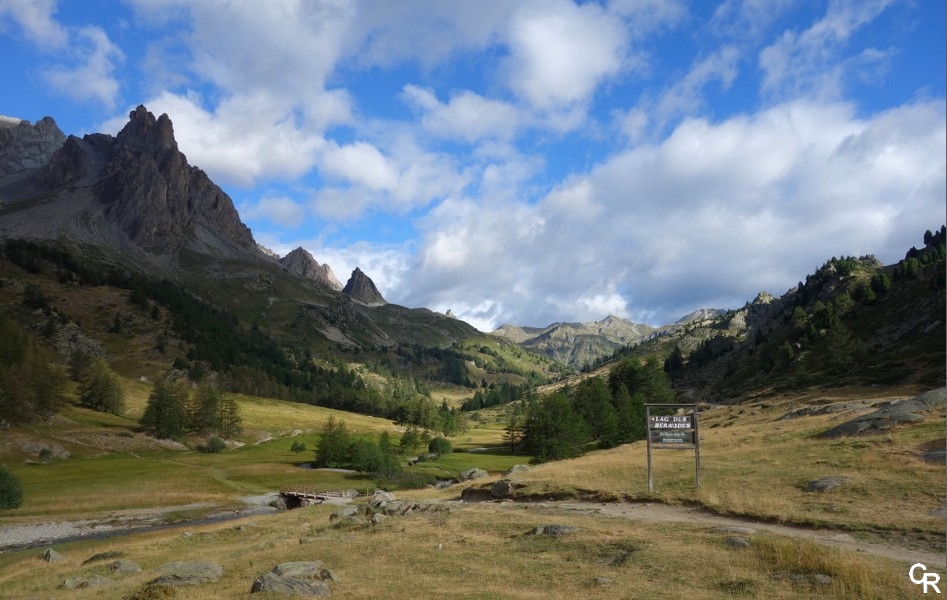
(362, 289)
(301, 262)
(24, 147)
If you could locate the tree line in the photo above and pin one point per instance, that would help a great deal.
(599, 412)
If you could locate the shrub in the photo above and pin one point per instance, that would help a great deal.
(439, 446)
(214, 445)
(298, 447)
(11, 493)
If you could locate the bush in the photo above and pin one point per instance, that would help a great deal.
(214, 445)
(11, 493)
(439, 446)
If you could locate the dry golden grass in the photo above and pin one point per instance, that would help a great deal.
(477, 552)
(754, 464)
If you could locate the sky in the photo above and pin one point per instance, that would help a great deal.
(532, 161)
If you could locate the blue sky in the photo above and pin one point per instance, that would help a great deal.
(534, 161)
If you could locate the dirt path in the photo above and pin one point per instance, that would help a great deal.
(648, 512)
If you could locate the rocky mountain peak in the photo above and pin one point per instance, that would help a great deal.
(144, 132)
(300, 262)
(149, 190)
(362, 289)
(24, 147)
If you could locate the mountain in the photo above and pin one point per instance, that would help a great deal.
(300, 262)
(133, 202)
(25, 147)
(853, 322)
(577, 344)
(362, 289)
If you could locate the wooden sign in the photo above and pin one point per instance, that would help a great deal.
(677, 431)
(672, 437)
(671, 422)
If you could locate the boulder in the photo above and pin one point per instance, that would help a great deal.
(471, 474)
(189, 573)
(888, 415)
(516, 469)
(289, 586)
(505, 488)
(124, 567)
(50, 555)
(300, 578)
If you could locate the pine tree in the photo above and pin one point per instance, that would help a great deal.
(165, 415)
(553, 430)
(100, 389)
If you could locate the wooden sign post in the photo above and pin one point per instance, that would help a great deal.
(672, 431)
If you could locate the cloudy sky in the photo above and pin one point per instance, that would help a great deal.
(527, 161)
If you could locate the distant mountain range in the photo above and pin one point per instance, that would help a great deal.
(580, 344)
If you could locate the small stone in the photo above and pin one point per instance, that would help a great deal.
(602, 581)
(51, 555)
(820, 579)
(378, 518)
(81, 583)
(124, 566)
(826, 484)
(552, 530)
(735, 541)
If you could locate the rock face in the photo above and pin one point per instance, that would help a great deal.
(362, 289)
(150, 191)
(24, 147)
(301, 262)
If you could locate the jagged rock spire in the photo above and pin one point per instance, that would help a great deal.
(362, 289)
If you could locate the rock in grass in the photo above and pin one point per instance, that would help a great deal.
(81, 583)
(736, 541)
(826, 484)
(289, 586)
(299, 578)
(189, 573)
(552, 530)
(124, 567)
(471, 474)
(51, 555)
(102, 556)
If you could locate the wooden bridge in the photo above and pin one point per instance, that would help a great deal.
(301, 496)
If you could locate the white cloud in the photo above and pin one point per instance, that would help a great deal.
(93, 78)
(706, 218)
(35, 20)
(282, 210)
(560, 53)
(361, 164)
(467, 116)
(808, 63)
(685, 97)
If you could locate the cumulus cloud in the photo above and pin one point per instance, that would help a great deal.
(707, 218)
(92, 76)
(560, 53)
(467, 116)
(34, 18)
(281, 210)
